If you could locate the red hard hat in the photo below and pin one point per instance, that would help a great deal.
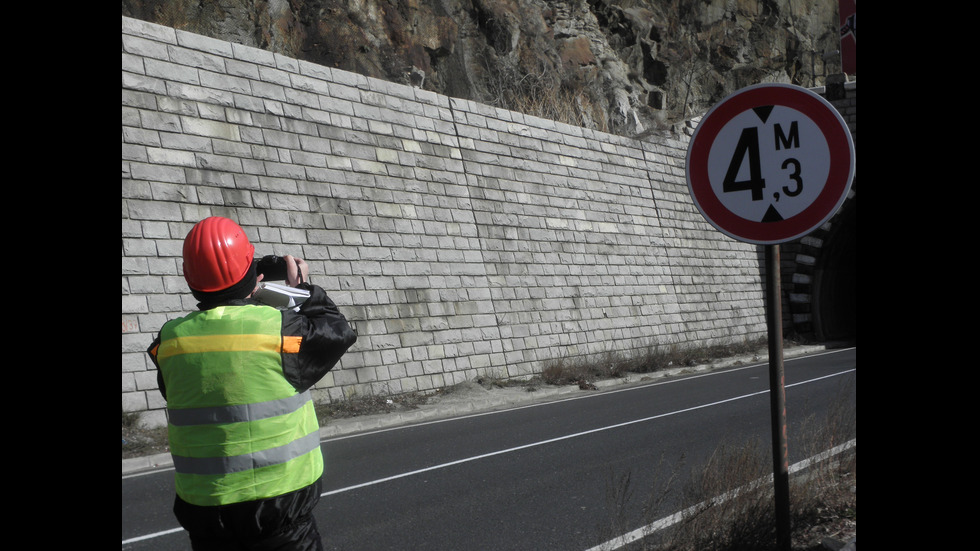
(217, 254)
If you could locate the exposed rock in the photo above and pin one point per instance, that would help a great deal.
(622, 66)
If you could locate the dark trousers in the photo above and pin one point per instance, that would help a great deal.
(282, 523)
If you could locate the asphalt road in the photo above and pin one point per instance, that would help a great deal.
(546, 476)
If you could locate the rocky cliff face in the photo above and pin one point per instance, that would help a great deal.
(623, 66)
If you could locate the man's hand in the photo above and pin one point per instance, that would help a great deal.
(297, 270)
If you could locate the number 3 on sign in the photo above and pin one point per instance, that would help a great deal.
(771, 163)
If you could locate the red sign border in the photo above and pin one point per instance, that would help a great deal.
(839, 177)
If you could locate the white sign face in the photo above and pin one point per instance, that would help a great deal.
(770, 163)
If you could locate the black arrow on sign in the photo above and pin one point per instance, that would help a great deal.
(763, 112)
(772, 215)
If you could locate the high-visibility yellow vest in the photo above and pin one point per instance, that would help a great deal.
(238, 430)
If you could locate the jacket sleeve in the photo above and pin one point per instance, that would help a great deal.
(324, 335)
(152, 352)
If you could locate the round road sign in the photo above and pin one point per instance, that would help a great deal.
(770, 163)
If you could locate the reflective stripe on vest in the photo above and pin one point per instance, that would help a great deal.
(238, 430)
(238, 413)
(239, 463)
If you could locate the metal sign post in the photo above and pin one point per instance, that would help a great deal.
(769, 164)
(777, 397)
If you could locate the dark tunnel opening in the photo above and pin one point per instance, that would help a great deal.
(835, 280)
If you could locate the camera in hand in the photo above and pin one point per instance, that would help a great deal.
(272, 267)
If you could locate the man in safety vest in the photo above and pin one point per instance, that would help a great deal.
(236, 375)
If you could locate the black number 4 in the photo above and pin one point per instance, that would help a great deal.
(747, 142)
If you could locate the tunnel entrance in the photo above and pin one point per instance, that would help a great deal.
(835, 280)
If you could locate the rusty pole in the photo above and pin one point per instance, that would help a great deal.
(777, 393)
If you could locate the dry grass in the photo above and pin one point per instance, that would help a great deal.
(358, 405)
(562, 371)
(728, 503)
(140, 441)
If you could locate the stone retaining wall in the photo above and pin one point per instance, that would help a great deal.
(461, 240)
